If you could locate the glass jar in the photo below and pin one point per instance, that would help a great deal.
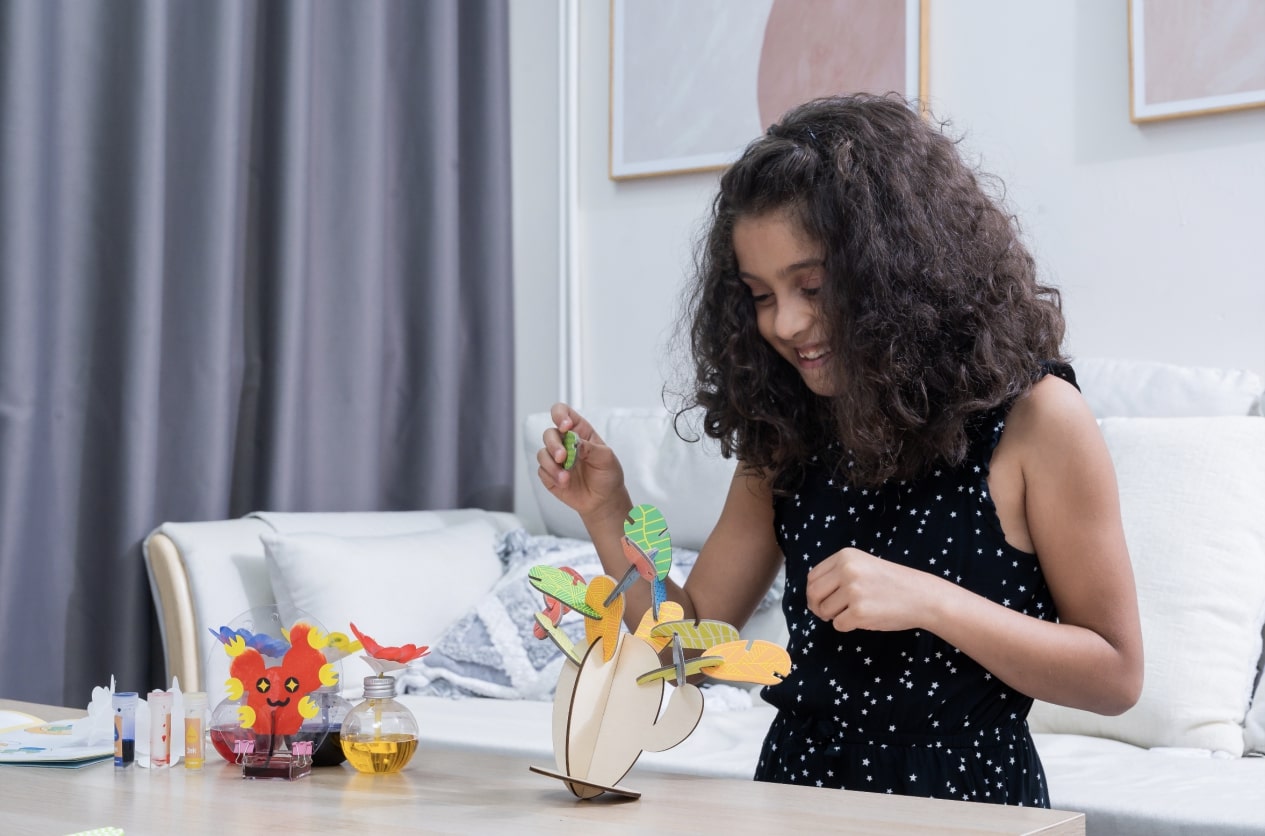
(334, 708)
(226, 733)
(379, 735)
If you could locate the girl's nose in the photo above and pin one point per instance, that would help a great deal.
(793, 318)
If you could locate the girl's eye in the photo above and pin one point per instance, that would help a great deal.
(811, 291)
(761, 298)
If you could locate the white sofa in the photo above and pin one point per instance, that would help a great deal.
(1189, 446)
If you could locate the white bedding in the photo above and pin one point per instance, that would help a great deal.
(1127, 790)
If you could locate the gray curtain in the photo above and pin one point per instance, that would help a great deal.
(253, 255)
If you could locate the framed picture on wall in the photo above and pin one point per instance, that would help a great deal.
(693, 82)
(1188, 58)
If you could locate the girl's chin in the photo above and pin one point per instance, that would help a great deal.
(818, 380)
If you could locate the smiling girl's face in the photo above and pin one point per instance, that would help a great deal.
(784, 270)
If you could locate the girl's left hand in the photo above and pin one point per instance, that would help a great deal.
(854, 590)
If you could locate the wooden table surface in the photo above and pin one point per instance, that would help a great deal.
(451, 791)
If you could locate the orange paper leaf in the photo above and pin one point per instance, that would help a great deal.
(607, 625)
(756, 660)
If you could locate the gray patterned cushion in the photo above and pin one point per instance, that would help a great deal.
(491, 651)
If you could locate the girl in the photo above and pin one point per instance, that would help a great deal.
(870, 340)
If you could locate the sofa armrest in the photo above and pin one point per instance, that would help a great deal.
(201, 572)
(170, 587)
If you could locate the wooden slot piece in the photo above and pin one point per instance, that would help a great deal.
(585, 789)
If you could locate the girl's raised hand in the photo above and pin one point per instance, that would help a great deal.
(595, 483)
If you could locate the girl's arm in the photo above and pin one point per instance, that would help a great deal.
(734, 568)
(740, 559)
(1092, 658)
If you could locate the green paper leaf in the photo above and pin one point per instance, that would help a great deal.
(647, 528)
(558, 584)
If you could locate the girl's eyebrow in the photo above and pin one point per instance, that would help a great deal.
(794, 267)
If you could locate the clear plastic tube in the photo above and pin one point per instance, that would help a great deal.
(159, 729)
(124, 704)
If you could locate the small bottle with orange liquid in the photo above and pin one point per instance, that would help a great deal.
(194, 729)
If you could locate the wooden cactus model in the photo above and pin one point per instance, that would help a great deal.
(606, 709)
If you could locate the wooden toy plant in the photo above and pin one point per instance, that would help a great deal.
(608, 707)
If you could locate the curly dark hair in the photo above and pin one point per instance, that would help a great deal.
(931, 301)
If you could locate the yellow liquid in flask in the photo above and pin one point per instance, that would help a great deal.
(380, 755)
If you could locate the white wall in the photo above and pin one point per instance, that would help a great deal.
(1153, 233)
(535, 115)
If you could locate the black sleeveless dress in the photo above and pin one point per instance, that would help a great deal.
(904, 712)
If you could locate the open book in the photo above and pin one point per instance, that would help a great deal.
(28, 740)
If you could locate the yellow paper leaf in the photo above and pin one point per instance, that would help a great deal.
(699, 634)
(607, 624)
(757, 661)
(560, 638)
(668, 611)
(699, 664)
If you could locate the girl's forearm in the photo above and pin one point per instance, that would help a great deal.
(1058, 663)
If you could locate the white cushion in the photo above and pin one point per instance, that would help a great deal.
(379, 523)
(399, 589)
(687, 481)
(1128, 791)
(1192, 493)
(1136, 388)
(1254, 727)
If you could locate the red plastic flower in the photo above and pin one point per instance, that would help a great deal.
(403, 654)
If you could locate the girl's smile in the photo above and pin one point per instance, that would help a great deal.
(784, 270)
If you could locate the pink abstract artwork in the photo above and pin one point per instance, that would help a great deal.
(1191, 58)
(819, 49)
(692, 83)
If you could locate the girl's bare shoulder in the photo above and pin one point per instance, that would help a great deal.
(1052, 413)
